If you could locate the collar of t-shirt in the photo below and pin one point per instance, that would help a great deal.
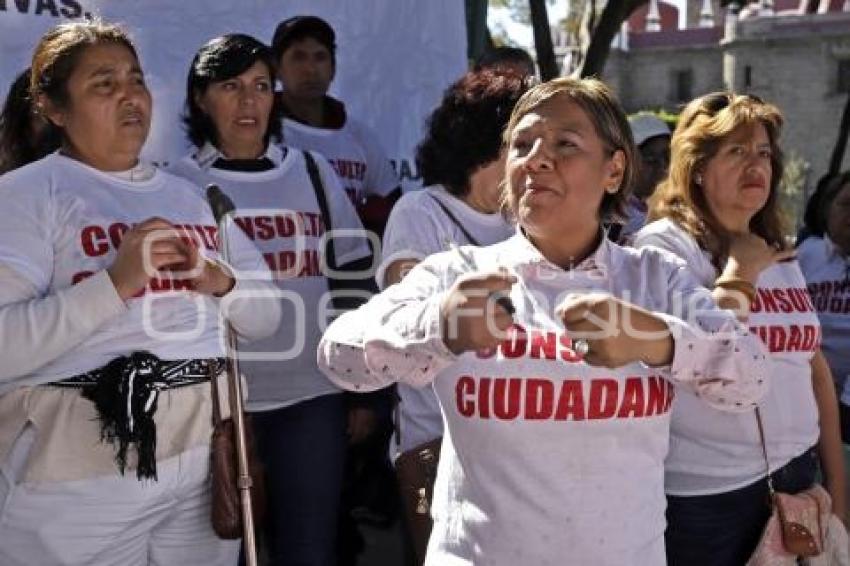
(140, 173)
(527, 255)
(210, 156)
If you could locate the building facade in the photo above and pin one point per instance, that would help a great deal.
(798, 61)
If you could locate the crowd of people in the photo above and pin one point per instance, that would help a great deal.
(598, 341)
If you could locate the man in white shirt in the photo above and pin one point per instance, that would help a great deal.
(305, 51)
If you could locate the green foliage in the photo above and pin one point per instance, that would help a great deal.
(792, 196)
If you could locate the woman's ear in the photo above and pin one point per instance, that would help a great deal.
(50, 111)
(615, 170)
(199, 100)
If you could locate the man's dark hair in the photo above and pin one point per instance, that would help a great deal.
(300, 27)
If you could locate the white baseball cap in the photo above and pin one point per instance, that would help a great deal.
(645, 126)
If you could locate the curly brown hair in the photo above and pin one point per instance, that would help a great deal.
(703, 126)
(465, 130)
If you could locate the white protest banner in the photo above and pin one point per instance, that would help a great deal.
(394, 58)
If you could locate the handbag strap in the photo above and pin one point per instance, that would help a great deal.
(454, 219)
(216, 411)
(764, 453)
(322, 199)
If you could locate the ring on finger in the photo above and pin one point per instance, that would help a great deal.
(581, 347)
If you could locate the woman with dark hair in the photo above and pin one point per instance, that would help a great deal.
(812, 217)
(718, 210)
(825, 261)
(462, 163)
(111, 300)
(553, 354)
(300, 417)
(24, 135)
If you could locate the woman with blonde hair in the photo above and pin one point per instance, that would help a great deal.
(552, 354)
(718, 210)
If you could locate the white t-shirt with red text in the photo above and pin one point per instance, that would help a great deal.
(62, 222)
(277, 209)
(354, 152)
(827, 274)
(546, 459)
(714, 452)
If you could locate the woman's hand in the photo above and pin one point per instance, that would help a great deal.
(749, 255)
(471, 317)
(156, 246)
(210, 277)
(617, 332)
(145, 249)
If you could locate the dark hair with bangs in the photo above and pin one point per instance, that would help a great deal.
(221, 59)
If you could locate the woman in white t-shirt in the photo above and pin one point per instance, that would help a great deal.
(299, 416)
(718, 210)
(555, 400)
(110, 286)
(462, 165)
(825, 260)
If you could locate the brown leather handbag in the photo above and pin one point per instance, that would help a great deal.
(416, 470)
(226, 504)
(797, 524)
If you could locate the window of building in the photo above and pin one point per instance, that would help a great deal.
(748, 76)
(843, 83)
(683, 85)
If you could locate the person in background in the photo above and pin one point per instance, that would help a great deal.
(652, 138)
(825, 261)
(299, 417)
(462, 162)
(305, 52)
(509, 58)
(24, 136)
(718, 210)
(813, 220)
(555, 409)
(111, 302)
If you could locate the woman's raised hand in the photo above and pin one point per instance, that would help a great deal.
(616, 332)
(155, 246)
(472, 318)
(749, 255)
(145, 249)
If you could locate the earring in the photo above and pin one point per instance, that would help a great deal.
(698, 179)
(612, 189)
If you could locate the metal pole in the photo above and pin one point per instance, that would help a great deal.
(234, 381)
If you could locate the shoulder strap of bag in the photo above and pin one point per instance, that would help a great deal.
(321, 198)
(457, 223)
(764, 453)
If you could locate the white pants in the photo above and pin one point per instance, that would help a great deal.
(112, 520)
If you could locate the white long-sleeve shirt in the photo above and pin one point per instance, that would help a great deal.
(60, 314)
(546, 459)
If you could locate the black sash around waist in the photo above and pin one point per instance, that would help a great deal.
(125, 393)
